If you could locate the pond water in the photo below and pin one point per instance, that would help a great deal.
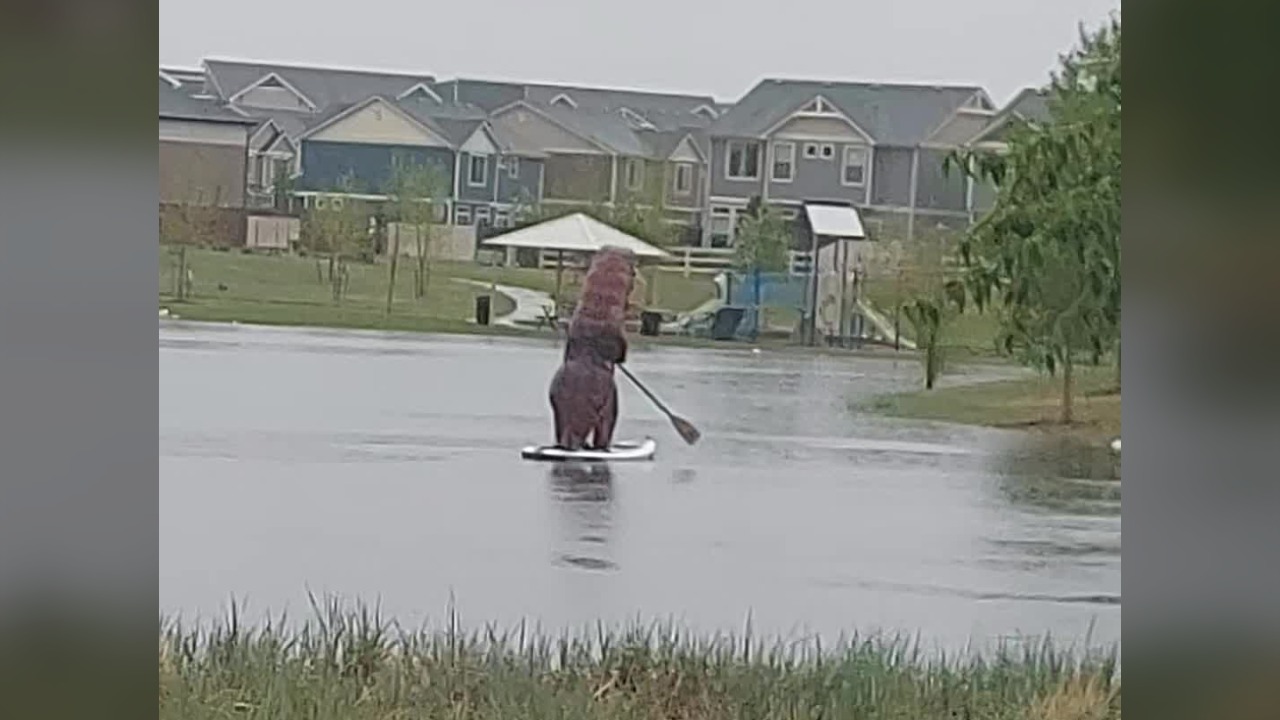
(386, 468)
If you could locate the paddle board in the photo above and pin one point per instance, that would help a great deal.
(621, 451)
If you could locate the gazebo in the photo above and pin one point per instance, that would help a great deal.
(577, 233)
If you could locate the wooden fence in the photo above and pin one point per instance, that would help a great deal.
(699, 260)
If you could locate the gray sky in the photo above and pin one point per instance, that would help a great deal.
(721, 48)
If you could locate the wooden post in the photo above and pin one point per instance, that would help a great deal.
(559, 276)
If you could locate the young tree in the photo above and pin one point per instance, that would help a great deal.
(413, 190)
(763, 245)
(1049, 249)
(763, 242)
(932, 299)
(337, 229)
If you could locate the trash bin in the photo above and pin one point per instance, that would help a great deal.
(482, 309)
(650, 322)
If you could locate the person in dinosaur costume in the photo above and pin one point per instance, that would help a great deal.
(584, 398)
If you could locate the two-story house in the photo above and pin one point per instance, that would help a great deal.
(604, 146)
(203, 149)
(874, 146)
(480, 178)
(288, 99)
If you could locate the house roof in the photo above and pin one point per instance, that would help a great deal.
(178, 105)
(323, 86)
(835, 221)
(576, 232)
(893, 114)
(1030, 103)
(455, 122)
(666, 110)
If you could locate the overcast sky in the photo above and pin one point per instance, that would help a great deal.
(717, 48)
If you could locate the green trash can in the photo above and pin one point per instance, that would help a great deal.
(650, 322)
(482, 309)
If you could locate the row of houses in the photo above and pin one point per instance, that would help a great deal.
(238, 133)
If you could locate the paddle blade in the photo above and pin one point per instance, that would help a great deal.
(686, 429)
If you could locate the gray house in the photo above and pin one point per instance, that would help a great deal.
(603, 145)
(872, 146)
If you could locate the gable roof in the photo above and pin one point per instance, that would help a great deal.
(662, 143)
(665, 111)
(323, 86)
(893, 114)
(1030, 104)
(455, 123)
(175, 104)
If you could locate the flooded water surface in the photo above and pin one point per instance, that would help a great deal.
(387, 468)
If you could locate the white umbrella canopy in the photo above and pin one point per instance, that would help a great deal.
(577, 233)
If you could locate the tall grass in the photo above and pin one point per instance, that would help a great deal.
(354, 663)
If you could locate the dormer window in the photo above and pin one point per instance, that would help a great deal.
(706, 111)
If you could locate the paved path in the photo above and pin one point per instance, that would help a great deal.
(529, 303)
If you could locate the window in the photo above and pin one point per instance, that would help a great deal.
(682, 183)
(854, 170)
(462, 215)
(811, 150)
(482, 216)
(635, 174)
(478, 171)
(742, 162)
(828, 151)
(784, 162)
(501, 219)
(513, 168)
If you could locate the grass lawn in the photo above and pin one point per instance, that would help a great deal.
(971, 334)
(1033, 403)
(357, 665)
(288, 290)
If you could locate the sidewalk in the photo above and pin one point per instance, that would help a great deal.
(529, 303)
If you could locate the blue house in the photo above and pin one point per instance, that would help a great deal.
(482, 178)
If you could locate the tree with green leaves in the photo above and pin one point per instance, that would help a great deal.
(933, 300)
(414, 190)
(763, 241)
(1047, 255)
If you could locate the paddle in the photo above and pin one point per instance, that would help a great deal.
(686, 429)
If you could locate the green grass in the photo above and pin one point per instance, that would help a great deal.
(970, 334)
(355, 665)
(286, 290)
(1033, 402)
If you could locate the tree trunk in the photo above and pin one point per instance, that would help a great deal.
(335, 278)
(1068, 389)
(419, 287)
(391, 280)
(1118, 367)
(182, 273)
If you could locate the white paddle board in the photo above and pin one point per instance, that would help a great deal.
(642, 450)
